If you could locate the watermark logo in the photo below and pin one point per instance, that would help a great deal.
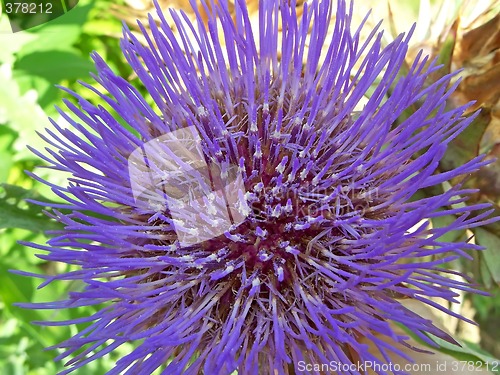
(204, 198)
(25, 14)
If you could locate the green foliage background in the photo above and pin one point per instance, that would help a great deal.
(31, 64)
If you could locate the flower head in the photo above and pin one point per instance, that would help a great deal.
(256, 213)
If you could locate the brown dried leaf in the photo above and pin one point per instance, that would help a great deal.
(483, 86)
(479, 54)
(481, 41)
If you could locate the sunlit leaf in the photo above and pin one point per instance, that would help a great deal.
(21, 112)
(60, 34)
(55, 65)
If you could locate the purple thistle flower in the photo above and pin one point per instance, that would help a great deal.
(254, 217)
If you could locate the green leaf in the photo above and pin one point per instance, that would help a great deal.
(491, 253)
(485, 273)
(447, 48)
(487, 307)
(61, 33)
(466, 145)
(15, 213)
(103, 26)
(464, 352)
(55, 65)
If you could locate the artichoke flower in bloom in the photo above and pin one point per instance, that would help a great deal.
(251, 219)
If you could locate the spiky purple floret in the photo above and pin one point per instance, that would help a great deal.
(332, 240)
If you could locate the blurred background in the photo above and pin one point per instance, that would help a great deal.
(460, 34)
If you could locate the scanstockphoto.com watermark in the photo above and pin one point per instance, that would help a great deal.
(453, 366)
